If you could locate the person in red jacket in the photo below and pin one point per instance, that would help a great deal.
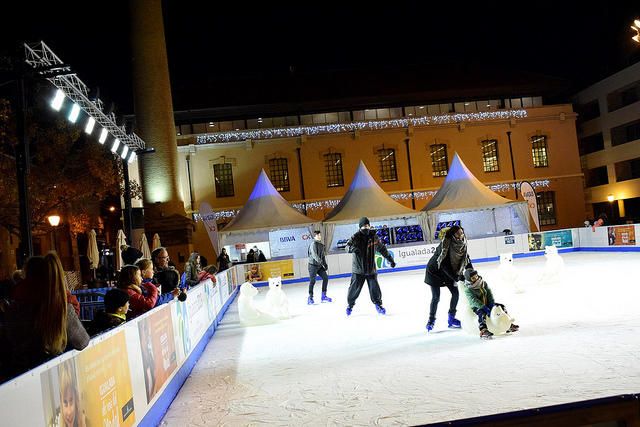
(142, 296)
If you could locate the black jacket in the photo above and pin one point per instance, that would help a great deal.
(223, 262)
(444, 275)
(316, 254)
(363, 245)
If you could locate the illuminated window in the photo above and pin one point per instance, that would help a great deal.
(279, 174)
(223, 176)
(333, 169)
(387, 160)
(539, 151)
(490, 155)
(439, 161)
(547, 207)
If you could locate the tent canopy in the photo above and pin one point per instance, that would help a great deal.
(266, 209)
(461, 190)
(366, 198)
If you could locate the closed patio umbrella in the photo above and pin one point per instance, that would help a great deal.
(144, 246)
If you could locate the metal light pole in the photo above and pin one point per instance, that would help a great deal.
(513, 167)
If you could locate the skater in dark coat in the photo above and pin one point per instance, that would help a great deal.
(363, 246)
(317, 267)
(445, 268)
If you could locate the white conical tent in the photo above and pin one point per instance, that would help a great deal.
(266, 209)
(463, 192)
(366, 198)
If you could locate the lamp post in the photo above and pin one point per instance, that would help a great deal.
(54, 221)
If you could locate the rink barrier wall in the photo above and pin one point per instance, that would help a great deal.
(30, 399)
(128, 375)
(159, 409)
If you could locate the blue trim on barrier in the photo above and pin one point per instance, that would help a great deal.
(155, 414)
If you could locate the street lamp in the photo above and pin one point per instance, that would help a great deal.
(610, 198)
(54, 221)
(636, 28)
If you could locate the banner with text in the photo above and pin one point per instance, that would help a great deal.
(158, 349)
(263, 271)
(622, 235)
(407, 256)
(293, 242)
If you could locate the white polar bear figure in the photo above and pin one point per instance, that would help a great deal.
(277, 301)
(554, 266)
(248, 313)
(497, 323)
(508, 273)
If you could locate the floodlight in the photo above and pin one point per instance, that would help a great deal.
(75, 112)
(103, 136)
(58, 99)
(90, 124)
(124, 152)
(116, 144)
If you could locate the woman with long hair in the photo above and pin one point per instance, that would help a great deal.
(445, 268)
(193, 269)
(42, 324)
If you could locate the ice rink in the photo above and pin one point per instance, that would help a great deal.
(579, 339)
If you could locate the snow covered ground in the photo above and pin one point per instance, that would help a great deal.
(579, 339)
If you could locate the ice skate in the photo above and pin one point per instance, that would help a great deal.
(453, 322)
(485, 334)
(430, 325)
(349, 310)
(310, 300)
(380, 309)
(325, 298)
(513, 328)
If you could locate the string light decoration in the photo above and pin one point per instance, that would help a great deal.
(416, 195)
(296, 131)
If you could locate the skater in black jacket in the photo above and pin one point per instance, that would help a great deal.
(317, 267)
(363, 246)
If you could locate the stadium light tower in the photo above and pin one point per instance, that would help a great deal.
(47, 65)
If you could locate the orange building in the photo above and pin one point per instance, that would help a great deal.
(311, 159)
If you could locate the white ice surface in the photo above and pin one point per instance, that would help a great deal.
(578, 340)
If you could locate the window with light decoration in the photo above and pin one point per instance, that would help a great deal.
(333, 169)
(279, 174)
(490, 155)
(547, 207)
(539, 151)
(387, 161)
(223, 177)
(439, 160)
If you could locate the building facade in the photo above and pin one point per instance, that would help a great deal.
(609, 144)
(407, 150)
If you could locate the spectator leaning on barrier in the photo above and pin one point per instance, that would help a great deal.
(168, 277)
(146, 270)
(116, 306)
(192, 269)
(43, 325)
(143, 296)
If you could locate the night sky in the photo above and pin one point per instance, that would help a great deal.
(213, 45)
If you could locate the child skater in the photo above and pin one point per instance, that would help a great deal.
(481, 301)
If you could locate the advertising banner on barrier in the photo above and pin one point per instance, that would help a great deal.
(621, 235)
(559, 239)
(211, 289)
(407, 256)
(290, 242)
(157, 345)
(263, 271)
(92, 389)
(198, 315)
